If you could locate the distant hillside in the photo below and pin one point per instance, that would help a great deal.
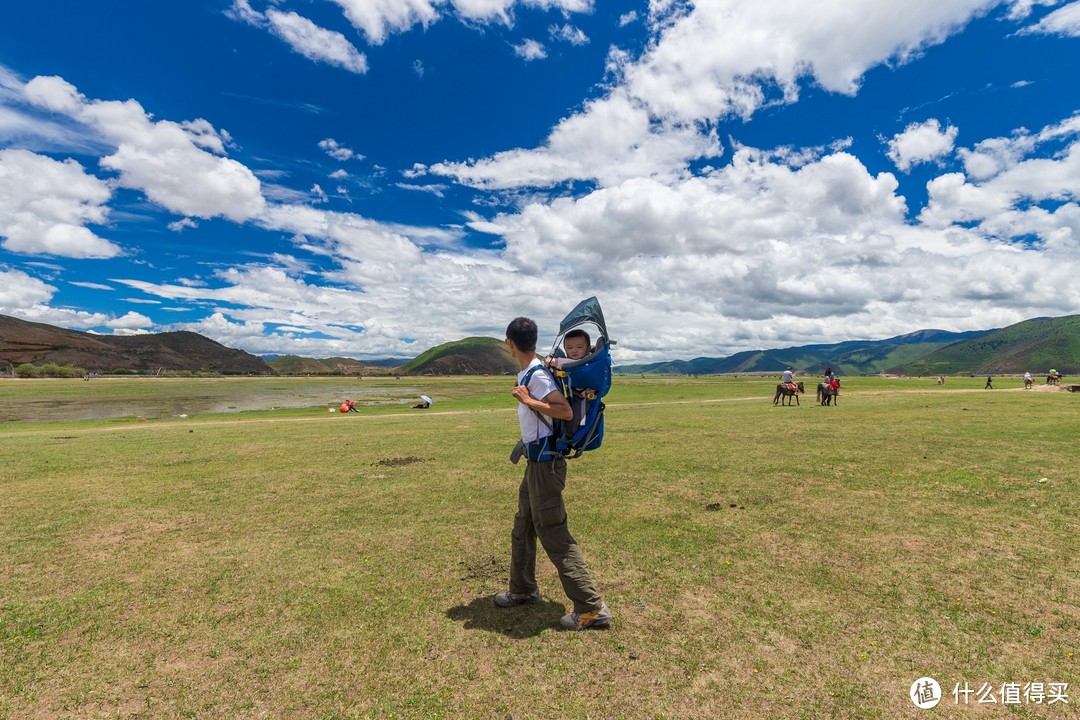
(37, 343)
(855, 357)
(1031, 346)
(296, 365)
(471, 356)
(390, 362)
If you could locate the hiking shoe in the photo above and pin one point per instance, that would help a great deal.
(582, 621)
(508, 599)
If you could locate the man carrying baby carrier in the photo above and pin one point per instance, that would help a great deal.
(541, 512)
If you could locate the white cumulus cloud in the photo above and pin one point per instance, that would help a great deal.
(19, 291)
(920, 143)
(612, 140)
(338, 151)
(379, 18)
(167, 161)
(129, 323)
(530, 50)
(316, 43)
(45, 206)
(26, 297)
(717, 60)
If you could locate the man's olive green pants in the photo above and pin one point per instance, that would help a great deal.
(541, 514)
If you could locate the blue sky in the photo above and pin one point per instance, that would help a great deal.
(369, 178)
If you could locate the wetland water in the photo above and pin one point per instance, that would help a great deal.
(104, 398)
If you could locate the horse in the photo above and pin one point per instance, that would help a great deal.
(788, 393)
(826, 395)
(1029, 383)
(1053, 378)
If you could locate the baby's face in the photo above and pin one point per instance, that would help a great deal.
(575, 348)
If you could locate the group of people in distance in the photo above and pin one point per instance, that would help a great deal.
(834, 384)
(1029, 382)
(349, 406)
(830, 380)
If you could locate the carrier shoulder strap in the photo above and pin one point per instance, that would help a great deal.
(550, 422)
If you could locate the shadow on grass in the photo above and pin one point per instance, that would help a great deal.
(517, 622)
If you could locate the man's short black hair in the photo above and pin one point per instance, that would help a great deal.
(578, 332)
(523, 332)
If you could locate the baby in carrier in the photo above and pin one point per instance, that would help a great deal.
(576, 345)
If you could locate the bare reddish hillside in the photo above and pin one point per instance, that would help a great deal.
(37, 343)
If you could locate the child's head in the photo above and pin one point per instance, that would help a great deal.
(576, 344)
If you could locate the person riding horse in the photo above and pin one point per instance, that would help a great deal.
(829, 391)
(788, 389)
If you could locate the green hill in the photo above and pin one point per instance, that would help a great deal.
(1031, 346)
(471, 356)
(296, 365)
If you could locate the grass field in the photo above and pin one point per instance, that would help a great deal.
(760, 561)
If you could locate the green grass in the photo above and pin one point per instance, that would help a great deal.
(295, 564)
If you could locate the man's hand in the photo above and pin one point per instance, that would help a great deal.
(554, 405)
(522, 394)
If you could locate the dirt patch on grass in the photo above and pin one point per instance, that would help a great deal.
(721, 506)
(395, 462)
(482, 569)
(121, 536)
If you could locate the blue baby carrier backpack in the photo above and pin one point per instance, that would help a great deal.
(583, 382)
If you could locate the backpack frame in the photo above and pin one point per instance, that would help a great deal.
(583, 383)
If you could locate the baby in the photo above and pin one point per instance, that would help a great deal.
(576, 345)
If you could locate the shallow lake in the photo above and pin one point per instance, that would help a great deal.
(96, 400)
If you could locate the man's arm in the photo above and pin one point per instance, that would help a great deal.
(553, 405)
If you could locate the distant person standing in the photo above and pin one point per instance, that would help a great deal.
(989, 383)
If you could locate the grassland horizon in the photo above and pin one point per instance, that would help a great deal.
(760, 561)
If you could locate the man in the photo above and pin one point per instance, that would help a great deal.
(541, 512)
(786, 378)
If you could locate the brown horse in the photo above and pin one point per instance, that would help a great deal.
(787, 393)
(826, 395)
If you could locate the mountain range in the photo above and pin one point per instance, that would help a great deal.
(1033, 345)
